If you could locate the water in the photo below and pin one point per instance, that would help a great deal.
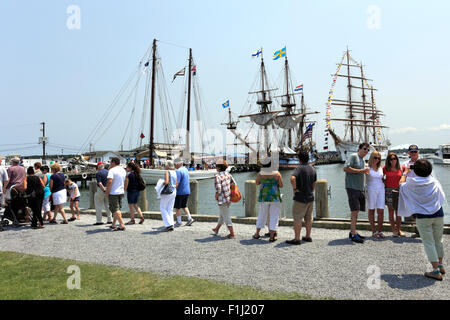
(333, 173)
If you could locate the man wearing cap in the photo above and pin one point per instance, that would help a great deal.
(100, 198)
(183, 191)
(413, 152)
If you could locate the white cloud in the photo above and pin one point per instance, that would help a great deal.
(441, 127)
(403, 130)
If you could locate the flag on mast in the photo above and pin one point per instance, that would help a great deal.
(226, 104)
(179, 73)
(279, 54)
(308, 132)
(257, 53)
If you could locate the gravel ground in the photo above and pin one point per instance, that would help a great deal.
(330, 266)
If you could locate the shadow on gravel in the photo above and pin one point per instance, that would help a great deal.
(210, 239)
(341, 242)
(251, 242)
(89, 232)
(407, 281)
(84, 225)
(157, 231)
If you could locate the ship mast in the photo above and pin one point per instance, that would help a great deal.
(188, 121)
(152, 107)
(288, 104)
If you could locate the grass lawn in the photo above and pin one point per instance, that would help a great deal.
(33, 277)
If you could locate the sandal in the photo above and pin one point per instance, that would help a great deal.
(142, 220)
(64, 222)
(53, 221)
(119, 229)
(230, 236)
(256, 236)
(215, 231)
(130, 222)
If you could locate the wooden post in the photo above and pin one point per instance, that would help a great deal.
(321, 199)
(250, 198)
(142, 201)
(193, 197)
(92, 191)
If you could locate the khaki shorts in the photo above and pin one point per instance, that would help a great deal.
(302, 211)
(115, 202)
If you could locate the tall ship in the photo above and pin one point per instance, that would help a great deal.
(169, 133)
(355, 118)
(280, 123)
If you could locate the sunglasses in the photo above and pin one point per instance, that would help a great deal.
(377, 158)
(393, 159)
(365, 149)
(413, 151)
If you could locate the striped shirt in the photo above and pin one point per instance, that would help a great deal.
(222, 183)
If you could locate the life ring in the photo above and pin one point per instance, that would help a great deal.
(66, 176)
(84, 175)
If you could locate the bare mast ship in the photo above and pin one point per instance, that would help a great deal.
(362, 119)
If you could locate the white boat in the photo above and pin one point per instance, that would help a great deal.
(442, 156)
(346, 148)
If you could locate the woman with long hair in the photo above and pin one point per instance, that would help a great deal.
(375, 193)
(132, 188)
(392, 175)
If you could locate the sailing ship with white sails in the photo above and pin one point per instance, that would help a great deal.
(361, 119)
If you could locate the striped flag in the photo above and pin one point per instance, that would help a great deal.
(179, 73)
(257, 53)
(308, 132)
(299, 88)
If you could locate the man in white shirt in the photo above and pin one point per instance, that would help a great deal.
(115, 192)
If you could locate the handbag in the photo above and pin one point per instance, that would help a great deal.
(168, 189)
(235, 193)
(141, 183)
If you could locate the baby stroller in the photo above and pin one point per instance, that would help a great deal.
(15, 209)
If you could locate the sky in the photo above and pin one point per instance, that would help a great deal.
(63, 62)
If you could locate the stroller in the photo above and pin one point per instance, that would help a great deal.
(15, 209)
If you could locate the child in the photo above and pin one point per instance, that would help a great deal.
(74, 199)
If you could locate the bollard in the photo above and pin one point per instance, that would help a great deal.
(193, 197)
(92, 191)
(321, 199)
(250, 198)
(142, 200)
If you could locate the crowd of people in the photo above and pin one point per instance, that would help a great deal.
(408, 190)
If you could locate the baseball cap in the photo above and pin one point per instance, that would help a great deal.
(413, 147)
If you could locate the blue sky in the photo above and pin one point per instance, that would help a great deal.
(69, 77)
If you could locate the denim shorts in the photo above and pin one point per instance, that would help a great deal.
(132, 197)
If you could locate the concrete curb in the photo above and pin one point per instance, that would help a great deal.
(326, 223)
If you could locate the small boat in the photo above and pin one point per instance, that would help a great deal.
(442, 156)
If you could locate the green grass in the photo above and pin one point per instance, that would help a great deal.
(33, 277)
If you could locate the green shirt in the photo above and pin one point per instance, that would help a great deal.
(354, 180)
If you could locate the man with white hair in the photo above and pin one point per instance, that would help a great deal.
(17, 177)
(183, 191)
(100, 198)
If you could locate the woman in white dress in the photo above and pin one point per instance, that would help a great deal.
(375, 194)
(168, 200)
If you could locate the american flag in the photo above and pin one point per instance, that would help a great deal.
(308, 132)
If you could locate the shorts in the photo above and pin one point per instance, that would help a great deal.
(59, 197)
(356, 200)
(115, 202)
(75, 200)
(391, 197)
(181, 201)
(375, 199)
(133, 197)
(302, 211)
(46, 204)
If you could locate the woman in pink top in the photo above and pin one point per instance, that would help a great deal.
(392, 174)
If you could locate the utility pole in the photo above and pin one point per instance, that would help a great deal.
(44, 140)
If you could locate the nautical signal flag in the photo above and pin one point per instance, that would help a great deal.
(299, 88)
(194, 70)
(142, 136)
(179, 73)
(226, 104)
(257, 53)
(279, 54)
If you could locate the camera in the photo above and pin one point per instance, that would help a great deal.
(411, 167)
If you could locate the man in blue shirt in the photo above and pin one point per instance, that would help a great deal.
(183, 191)
(100, 198)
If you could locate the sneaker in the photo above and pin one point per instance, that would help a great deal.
(178, 224)
(98, 223)
(190, 222)
(360, 236)
(294, 242)
(415, 235)
(357, 238)
(169, 228)
(434, 275)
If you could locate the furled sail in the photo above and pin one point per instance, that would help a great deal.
(288, 121)
(262, 119)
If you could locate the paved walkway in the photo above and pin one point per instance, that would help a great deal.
(330, 266)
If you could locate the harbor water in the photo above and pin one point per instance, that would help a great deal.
(333, 173)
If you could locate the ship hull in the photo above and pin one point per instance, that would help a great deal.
(151, 176)
(346, 148)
